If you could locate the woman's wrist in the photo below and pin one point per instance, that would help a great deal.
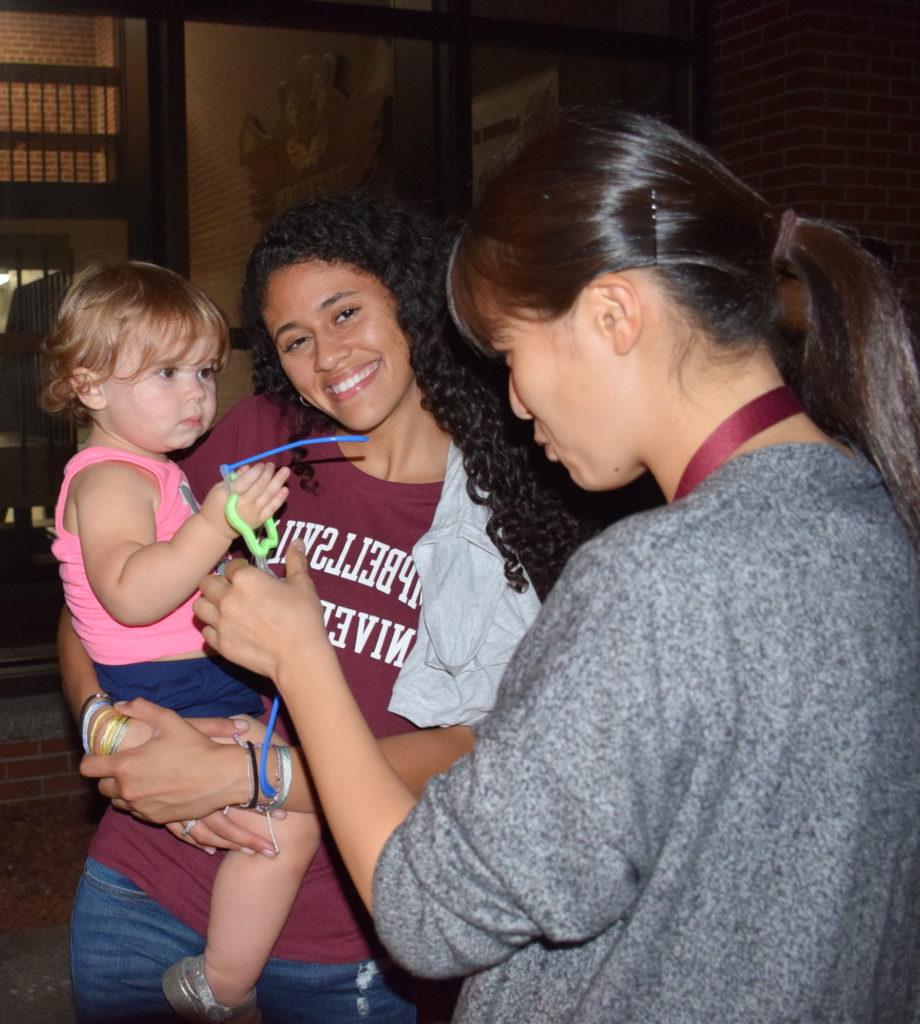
(289, 674)
(237, 788)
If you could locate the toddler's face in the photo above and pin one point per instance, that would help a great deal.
(160, 408)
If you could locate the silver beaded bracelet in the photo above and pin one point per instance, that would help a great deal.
(283, 782)
(95, 702)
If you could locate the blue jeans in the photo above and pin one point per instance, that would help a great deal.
(121, 941)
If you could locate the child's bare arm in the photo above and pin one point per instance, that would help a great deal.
(137, 578)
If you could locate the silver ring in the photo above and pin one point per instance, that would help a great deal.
(188, 826)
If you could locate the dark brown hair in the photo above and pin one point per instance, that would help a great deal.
(534, 519)
(610, 190)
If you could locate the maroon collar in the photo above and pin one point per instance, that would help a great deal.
(748, 421)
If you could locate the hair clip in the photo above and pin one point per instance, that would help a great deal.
(787, 225)
(654, 215)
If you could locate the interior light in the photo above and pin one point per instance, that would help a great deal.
(4, 278)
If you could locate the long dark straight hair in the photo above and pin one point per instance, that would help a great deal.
(609, 190)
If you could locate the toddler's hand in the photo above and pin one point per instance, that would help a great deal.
(261, 492)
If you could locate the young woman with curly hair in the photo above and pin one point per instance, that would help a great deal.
(431, 544)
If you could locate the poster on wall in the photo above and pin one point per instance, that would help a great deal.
(326, 138)
(507, 117)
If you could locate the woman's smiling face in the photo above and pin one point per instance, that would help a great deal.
(339, 343)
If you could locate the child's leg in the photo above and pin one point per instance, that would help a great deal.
(252, 898)
(252, 895)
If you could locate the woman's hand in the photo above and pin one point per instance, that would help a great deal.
(223, 830)
(258, 621)
(179, 773)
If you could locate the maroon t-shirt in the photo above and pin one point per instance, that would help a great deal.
(359, 532)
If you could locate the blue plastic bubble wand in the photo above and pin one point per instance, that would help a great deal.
(259, 548)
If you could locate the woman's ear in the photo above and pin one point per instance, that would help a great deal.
(88, 388)
(616, 309)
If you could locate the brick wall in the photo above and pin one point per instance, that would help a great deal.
(816, 104)
(238, 70)
(59, 109)
(32, 769)
(27, 38)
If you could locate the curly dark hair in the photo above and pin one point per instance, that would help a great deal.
(532, 521)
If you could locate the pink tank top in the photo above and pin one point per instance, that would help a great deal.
(108, 641)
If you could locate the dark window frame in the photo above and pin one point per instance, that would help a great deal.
(155, 196)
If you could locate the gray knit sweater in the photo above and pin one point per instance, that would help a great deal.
(698, 797)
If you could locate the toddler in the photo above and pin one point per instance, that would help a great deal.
(135, 352)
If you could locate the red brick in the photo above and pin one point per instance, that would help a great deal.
(54, 746)
(793, 137)
(60, 784)
(821, 155)
(890, 214)
(740, 79)
(768, 16)
(740, 150)
(785, 64)
(886, 140)
(737, 37)
(846, 175)
(766, 52)
(859, 158)
(35, 767)
(902, 160)
(765, 126)
(866, 195)
(18, 748)
(832, 80)
(886, 104)
(908, 126)
(902, 49)
(847, 26)
(848, 139)
(848, 100)
(807, 44)
(746, 112)
(804, 20)
(20, 790)
(869, 84)
(813, 121)
(867, 122)
(890, 179)
(849, 62)
(814, 193)
(728, 65)
(892, 68)
(807, 99)
(871, 8)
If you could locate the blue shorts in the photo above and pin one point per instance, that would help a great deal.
(195, 687)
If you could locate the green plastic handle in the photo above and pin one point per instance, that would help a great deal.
(259, 547)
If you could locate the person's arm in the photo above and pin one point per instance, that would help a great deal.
(275, 628)
(137, 578)
(78, 677)
(417, 756)
(545, 830)
(178, 775)
(79, 682)
(175, 777)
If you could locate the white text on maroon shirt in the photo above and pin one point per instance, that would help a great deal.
(369, 563)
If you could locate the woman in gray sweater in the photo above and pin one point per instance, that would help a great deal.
(697, 796)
